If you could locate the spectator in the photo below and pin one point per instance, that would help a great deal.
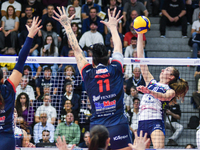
(131, 48)
(135, 80)
(23, 20)
(129, 100)
(195, 30)
(133, 15)
(75, 4)
(69, 129)
(92, 18)
(45, 141)
(68, 109)
(48, 17)
(173, 13)
(91, 37)
(190, 146)
(10, 26)
(24, 87)
(5, 73)
(69, 75)
(110, 47)
(33, 68)
(66, 50)
(112, 5)
(86, 143)
(37, 8)
(196, 94)
(48, 109)
(133, 5)
(130, 67)
(14, 3)
(41, 126)
(134, 114)
(24, 109)
(21, 137)
(46, 90)
(119, 27)
(173, 115)
(125, 95)
(50, 49)
(196, 12)
(85, 10)
(36, 40)
(46, 80)
(70, 95)
(130, 34)
(49, 31)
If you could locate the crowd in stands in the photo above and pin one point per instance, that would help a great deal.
(51, 100)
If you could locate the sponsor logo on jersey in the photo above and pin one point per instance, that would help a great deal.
(96, 98)
(2, 111)
(105, 106)
(108, 103)
(135, 60)
(2, 119)
(99, 71)
(119, 137)
(102, 75)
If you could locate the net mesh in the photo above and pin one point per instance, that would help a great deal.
(185, 131)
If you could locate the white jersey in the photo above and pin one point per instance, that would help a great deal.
(150, 107)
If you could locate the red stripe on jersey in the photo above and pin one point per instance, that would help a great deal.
(12, 85)
(84, 68)
(120, 64)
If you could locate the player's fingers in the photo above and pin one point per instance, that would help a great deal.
(117, 16)
(59, 10)
(114, 12)
(63, 10)
(56, 14)
(109, 16)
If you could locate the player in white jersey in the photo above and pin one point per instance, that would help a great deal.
(155, 94)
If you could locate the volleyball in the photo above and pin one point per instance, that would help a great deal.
(141, 24)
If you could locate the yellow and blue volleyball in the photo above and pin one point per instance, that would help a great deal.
(141, 24)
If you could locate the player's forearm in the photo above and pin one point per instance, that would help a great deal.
(140, 51)
(116, 39)
(160, 96)
(72, 39)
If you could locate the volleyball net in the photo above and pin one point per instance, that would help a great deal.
(56, 84)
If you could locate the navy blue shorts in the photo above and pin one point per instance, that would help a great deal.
(148, 126)
(119, 136)
(7, 141)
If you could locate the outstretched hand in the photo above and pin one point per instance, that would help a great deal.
(113, 20)
(140, 142)
(61, 144)
(62, 17)
(143, 89)
(34, 28)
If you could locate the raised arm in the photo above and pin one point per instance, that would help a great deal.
(66, 23)
(112, 25)
(140, 53)
(16, 75)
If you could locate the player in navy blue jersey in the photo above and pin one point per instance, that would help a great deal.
(103, 81)
(7, 92)
(155, 94)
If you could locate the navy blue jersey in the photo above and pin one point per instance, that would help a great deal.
(6, 116)
(104, 86)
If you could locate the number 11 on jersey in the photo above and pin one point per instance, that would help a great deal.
(101, 82)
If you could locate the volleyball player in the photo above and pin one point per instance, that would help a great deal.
(155, 94)
(7, 92)
(103, 81)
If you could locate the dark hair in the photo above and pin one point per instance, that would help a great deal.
(134, 99)
(134, 38)
(45, 131)
(179, 85)
(190, 145)
(49, 21)
(100, 54)
(52, 47)
(93, 8)
(47, 68)
(29, 69)
(51, 6)
(13, 16)
(98, 136)
(18, 104)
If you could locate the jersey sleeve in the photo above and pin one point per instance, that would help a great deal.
(117, 59)
(85, 70)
